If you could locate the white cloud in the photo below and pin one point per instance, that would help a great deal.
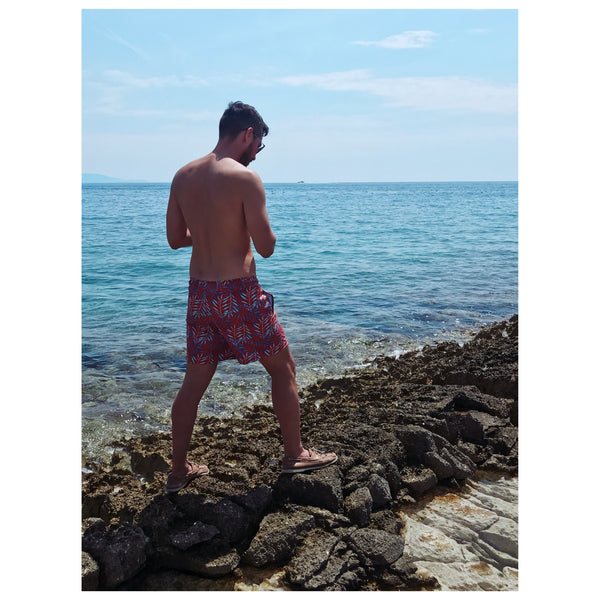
(408, 39)
(421, 93)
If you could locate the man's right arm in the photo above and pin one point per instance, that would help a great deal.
(257, 218)
(178, 234)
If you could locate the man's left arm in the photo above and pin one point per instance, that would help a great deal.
(178, 234)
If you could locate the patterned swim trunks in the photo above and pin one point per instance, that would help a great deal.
(231, 319)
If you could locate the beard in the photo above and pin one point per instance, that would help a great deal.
(246, 157)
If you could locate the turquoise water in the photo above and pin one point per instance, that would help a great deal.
(359, 270)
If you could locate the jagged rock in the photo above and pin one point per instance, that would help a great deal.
(322, 488)
(120, 554)
(380, 491)
(469, 428)
(473, 400)
(434, 451)
(502, 439)
(376, 548)
(324, 562)
(277, 537)
(233, 522)
(158, 518)
(439, 465)
(358, 506)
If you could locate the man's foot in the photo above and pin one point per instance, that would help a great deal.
(315, 460)
(178, 482)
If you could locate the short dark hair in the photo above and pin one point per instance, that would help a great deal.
(239, 116)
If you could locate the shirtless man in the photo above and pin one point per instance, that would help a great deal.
(217, 205)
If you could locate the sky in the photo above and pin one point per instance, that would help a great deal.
(348, 94)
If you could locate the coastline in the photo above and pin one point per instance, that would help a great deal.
(403, 428)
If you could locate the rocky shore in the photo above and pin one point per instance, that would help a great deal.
(425, 425)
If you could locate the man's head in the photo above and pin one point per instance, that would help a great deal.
(239, 118)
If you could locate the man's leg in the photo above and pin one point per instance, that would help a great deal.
(284, 392)
(185, 408)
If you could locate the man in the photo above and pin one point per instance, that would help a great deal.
(217, 205)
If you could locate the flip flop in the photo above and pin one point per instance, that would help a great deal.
(179, 483)
(315, 460)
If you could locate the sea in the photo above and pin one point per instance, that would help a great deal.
(360, 270)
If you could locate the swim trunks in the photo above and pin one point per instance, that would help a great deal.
(231, 319)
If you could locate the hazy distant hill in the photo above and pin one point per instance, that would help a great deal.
(97, 178)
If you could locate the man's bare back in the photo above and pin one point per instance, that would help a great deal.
(217, 205)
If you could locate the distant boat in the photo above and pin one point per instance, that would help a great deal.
(300, 182)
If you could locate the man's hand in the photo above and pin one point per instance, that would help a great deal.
(257, 219)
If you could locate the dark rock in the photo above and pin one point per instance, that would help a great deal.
(325, 519)
(256, 501)
(441, 467)
(356, 477)
(503, 439)
(321, 488)
(195, 534)
(380, 491)
(469, 428)
(232, 521)
(324, 562)
(158, 519)
(358, 506)
(120, 554)
(476, 453)
(418, 480)
(277, 537)
(434, 451)
(214, 560)
(392, 476)
(376, 548)
(388, 520)
(469, 400)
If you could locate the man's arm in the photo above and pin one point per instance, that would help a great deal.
(178, 235)
(257, 218)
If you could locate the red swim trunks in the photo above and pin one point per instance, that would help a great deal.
(231, 319)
